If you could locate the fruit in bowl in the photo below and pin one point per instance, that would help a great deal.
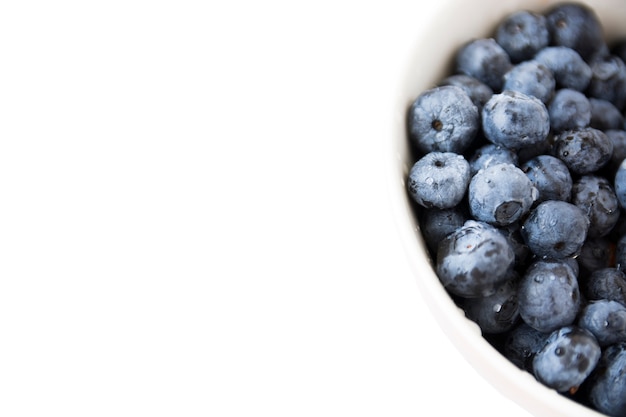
(510, 196)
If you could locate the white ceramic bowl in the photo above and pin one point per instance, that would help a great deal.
(427, 63)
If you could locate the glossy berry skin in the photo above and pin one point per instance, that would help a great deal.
(515, 120)
(436, 224)
(500, 194)
(568, 68)
(443, 119)
(606, 319)
(606, 284)
(555, 229)
(439, 179)
(489, 155)
(620, 184)
(550, 176)
(607, 392)
(521, 345)
(604, 115)
(477, 91)
(485, 60)
(577, 27)
(522, 34)
(496, 313)
(569, 109)
(567, 358)
(474, 260)
(595, 196)
(584, 150)
(548, 295)
(531, 78)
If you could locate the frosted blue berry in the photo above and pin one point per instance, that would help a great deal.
(474, 260)
(439, 179)
(500, 194)
(443, 119)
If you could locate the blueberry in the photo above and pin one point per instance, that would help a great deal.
(531, 78)
(584, 150)
(596, 197)
(550, 176)
(607, 392)
(608, 284)
(575, 26)
(606, 319)
(474, 260)
(477, 91)
(521, 250)
(485, 60)
(522, 34)
(436, 224)
(596, 253)
(490, 154)
(500, 194)
(604, 115)
(521, 345)
(439, 179)
(568, 68)
(568, 110)
(515, 120)
(548, 295)
(620, 184)
(567, 358)
(608, 81)
(496, 313)
(443, 119)
(555, 229)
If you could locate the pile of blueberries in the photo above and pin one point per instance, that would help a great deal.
(520, 190)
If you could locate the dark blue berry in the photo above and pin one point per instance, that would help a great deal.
(568, 68)
(522, 34)
(606, 319)
(568, 110)
(531, 78)
(515, 120)
(584, 150)
(548, 295)
(618, 138)
(608, 81)
(604, 115)
(489, 155)
(477, 91)
(596, 253)
(521, 345)
(500, 194)
(436, 224)
(567, 358)
(474, 260)
(496, 313)
(485, 60)
(439, 179)
(443, 119)
(555, 229)
(550, 176)
(596, 197)
(607, 392)
(575, 26)
(606, 284)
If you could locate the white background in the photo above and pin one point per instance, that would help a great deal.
(195, 218)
